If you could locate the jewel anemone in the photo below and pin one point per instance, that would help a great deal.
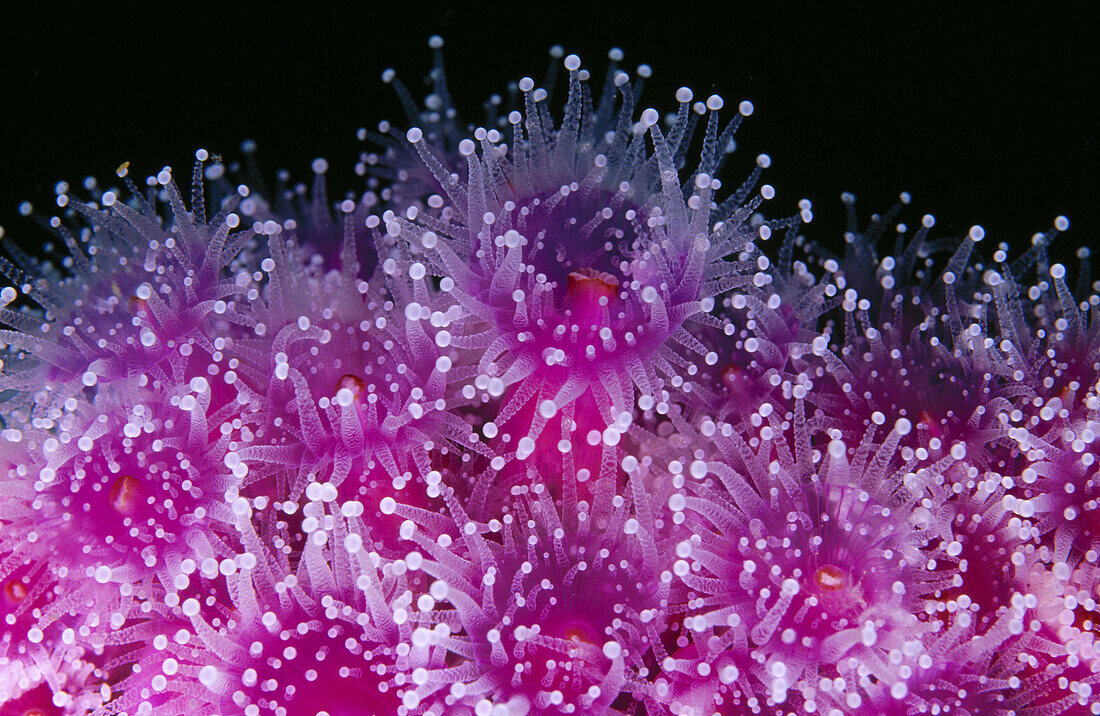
(573, 258)
(546, 420)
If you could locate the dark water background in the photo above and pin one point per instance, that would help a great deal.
(984, 113)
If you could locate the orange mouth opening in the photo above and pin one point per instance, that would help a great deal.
(829, 578)
(125, 495)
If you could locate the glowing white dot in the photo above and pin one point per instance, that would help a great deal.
(525, 448)
(208, 676)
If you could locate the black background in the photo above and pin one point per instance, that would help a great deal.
(984, 112)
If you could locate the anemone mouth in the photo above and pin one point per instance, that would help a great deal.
(118, 499)
(579, 241)
(125, 495)
(587, 288)
(850, 573)
(14, 591)
(24, 593)
(347, 369)
(841, 595)
(830, 578)
(365, 369)
(573, 625)
(353, 384)
(578, 631)
(360, 394)
(565, 656)
(735, 379)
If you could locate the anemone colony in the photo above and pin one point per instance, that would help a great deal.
(547, 420)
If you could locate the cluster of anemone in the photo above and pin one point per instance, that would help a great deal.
(549, 419)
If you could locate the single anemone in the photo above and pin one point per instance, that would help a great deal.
(136, 295)
(758, 343)
(913, 338)
(318, 637)
(541, 611)
(126, 488)
(347, 387)
(794, 575)
(574, 258)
